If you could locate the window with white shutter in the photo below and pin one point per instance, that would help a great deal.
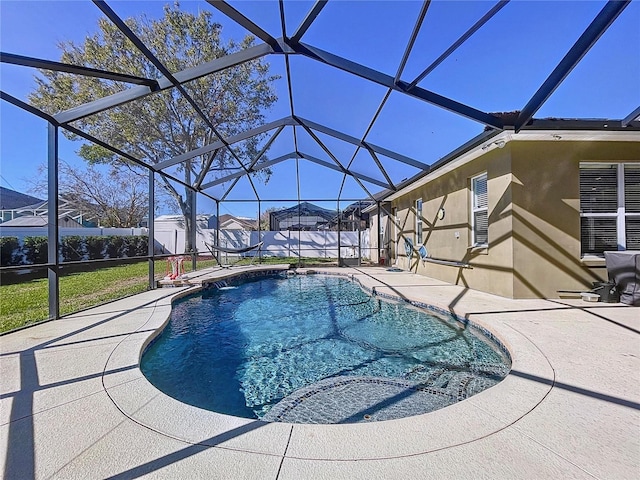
(479, 211)
(609, 207)
(632, 206)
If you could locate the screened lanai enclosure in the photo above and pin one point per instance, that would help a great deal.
(230, 123)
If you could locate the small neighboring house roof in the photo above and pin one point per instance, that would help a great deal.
(362, 205)
(11, 200)
(40, 221)
(247, 223)
(172, 221)
(177, 217)
(168, 218)
(65, 208)
(305, 209)
(39, 205)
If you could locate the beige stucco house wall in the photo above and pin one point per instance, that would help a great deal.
(533, 208)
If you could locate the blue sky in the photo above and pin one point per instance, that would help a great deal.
(498, 69)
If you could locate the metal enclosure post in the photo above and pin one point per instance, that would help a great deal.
(379, 228)
(359, 216)
(299, 227)
(339, 243)
(53, 271)
(151, 230)
(217, 254)
(259, 233)
(194, 229)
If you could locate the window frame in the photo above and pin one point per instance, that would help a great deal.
(474, 209)
(620, 215)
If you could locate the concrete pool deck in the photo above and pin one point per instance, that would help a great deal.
(74, 404)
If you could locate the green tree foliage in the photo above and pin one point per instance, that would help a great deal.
(35, 250)
(94, 245)
(72, 248)
(265, 218)
(163, 125)
(115, 247)
(9, 251)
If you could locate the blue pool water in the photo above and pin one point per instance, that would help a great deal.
(316, 349)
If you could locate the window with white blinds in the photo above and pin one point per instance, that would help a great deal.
(609, 207)
(479, 211)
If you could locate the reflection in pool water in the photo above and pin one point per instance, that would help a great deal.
(241, 351)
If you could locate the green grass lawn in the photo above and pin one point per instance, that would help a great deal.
(27, 302)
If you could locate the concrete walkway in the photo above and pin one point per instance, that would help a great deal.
(74, 404)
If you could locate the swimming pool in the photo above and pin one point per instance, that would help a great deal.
(316, 349)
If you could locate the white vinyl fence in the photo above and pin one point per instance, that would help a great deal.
(276, 244)
(284, 243)
(21, 232)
